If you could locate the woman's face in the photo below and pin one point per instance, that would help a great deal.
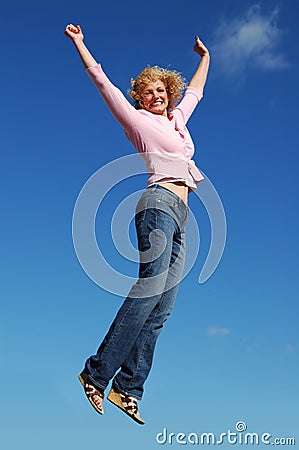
(154, 98)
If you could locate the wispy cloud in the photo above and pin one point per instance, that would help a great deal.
(216, 331)
(289, 348)
(249, 41)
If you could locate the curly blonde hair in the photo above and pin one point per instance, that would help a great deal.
(172, 80)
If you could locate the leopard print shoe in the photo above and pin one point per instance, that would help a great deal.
(126, 403)
(94, 395)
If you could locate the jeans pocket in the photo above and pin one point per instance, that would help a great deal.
(140, 211)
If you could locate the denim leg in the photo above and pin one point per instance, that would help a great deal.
(155, 232)
(135, 369)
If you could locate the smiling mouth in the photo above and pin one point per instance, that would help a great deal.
(158, 103)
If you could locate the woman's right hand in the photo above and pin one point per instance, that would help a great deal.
(74, 32)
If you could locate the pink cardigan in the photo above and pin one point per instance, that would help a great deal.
(163, 142)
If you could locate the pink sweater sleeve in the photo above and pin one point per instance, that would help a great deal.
(121, 108)
(187, 105)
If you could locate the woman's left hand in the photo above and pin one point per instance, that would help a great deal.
(200, 48)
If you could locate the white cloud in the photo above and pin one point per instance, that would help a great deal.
(249, 41)
(216, 331)
(289, 348)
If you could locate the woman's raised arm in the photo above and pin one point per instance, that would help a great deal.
(123, 111)
(199, 78)
(76, 35)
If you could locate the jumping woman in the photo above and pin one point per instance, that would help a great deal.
(156, 126)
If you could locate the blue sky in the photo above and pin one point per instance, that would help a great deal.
(229, 352)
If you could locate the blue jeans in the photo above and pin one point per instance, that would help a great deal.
(130, 342)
